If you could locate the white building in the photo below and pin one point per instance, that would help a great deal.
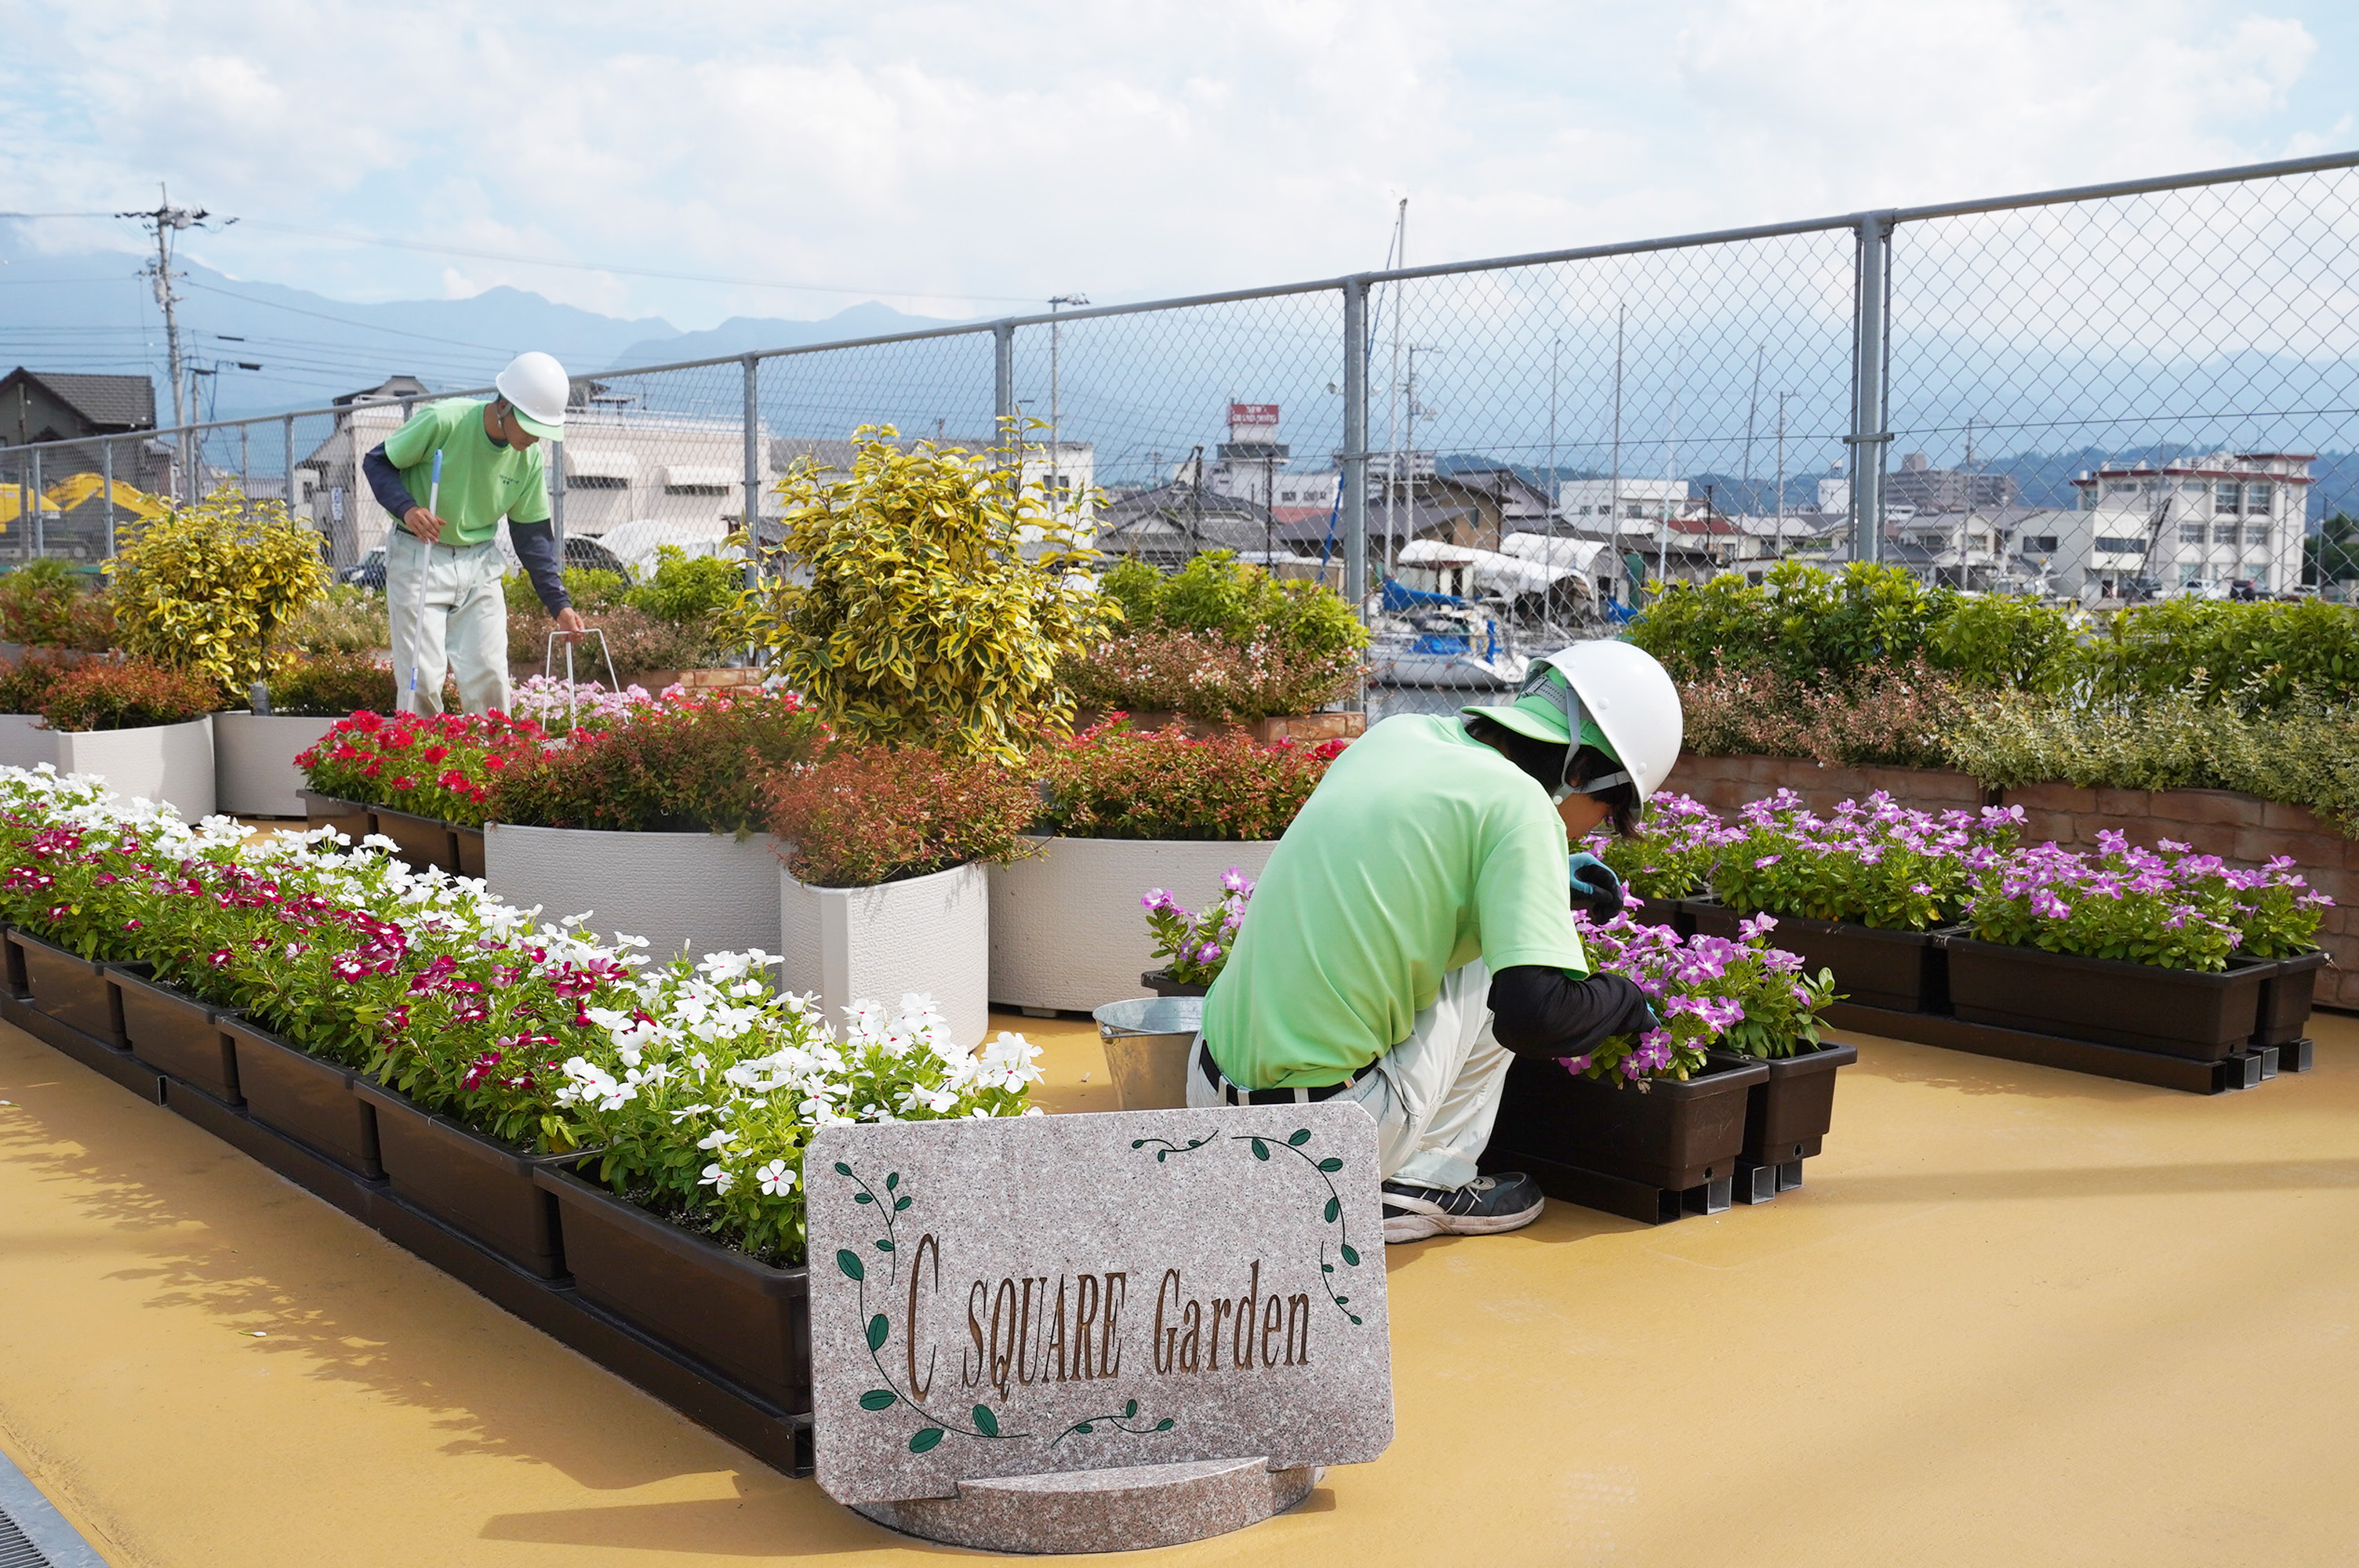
(2201, 523)
(1589, 502)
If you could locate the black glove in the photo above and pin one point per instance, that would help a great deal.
(1596, 888)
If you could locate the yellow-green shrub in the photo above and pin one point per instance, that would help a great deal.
(208, 587)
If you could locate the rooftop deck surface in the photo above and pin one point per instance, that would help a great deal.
(2016, 1316)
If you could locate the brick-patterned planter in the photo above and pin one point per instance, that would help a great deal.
(1726, 783)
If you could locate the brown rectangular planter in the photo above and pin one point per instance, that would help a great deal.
(307, 1099)
(349, 817)
(1901, 970)
(2145, 1007)
(1787, 1114)
(424, 840)
(473, 1184)
(2285, 999)
(177, 1033)
(744, 1319)
(71, 988)
(468, 844)
(1674, 1136)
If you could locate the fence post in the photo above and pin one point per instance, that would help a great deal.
(1868, 437)
(107, 478)
(1003, 378)
(1353, 470)
(753, 470)
(40, 511)
(286, 452)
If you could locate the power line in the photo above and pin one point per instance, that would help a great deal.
(348, 321)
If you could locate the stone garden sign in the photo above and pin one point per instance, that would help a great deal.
(1013, 1298)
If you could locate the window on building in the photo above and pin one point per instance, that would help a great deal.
(2189, 574)
(2260, 576)
(596, 482)
(2120, 544)
(2192, 532)
(2088, 498)
(2225, 496)
(2256, 535)
(2223, 533)
(2040, 543)
(2256, 498)
(696, 490)
(2122, 487)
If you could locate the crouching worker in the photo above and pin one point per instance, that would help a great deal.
(1413, 932)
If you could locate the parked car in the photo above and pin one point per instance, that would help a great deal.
(586, 554)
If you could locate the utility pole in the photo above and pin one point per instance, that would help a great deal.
(163, 221)
(1781, 473)
(1056, 432)
(1752, 407)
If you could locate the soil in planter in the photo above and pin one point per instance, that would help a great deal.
(1901, 971)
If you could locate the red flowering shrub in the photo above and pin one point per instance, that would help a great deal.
(101, 694)
(441, 767)
(697, 762)
(1111, 782)
(864, 814)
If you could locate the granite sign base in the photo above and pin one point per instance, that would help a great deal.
(1127, 1509)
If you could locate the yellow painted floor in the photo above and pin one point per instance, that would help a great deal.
(2017, 1317)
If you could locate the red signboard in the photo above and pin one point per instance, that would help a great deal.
(1253, 413)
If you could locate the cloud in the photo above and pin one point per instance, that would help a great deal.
(949, 157)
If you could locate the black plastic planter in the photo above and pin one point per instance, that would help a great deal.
(744, 1319)
(349, 817)
(470, 1182)
(177, 1033)
(424, 840)
(71, 988)
(1786, 1115)
(1674, 1135)
(468, 844)
(1898, 970)
(307, 1099)
(1677, 914)
(2178, 1013)
(1160, 982)
(2285, 997)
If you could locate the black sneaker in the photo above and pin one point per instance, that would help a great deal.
(1484, 1206)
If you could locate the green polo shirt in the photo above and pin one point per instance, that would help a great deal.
(1420, 850)
(482, 481)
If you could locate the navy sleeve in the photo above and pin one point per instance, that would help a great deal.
(385, 482)
(1540, 1012)
(535, 548)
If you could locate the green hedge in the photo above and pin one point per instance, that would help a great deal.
(1816, 627)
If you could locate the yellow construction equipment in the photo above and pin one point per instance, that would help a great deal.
(73, 490)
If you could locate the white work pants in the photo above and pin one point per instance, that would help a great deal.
(1435, 1094)
(448, 612)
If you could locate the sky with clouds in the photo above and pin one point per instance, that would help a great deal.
(964, 159)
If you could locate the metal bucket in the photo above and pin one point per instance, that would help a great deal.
(1147, 1041)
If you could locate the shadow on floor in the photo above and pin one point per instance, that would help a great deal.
(2049, 1183)
(777, 1525)
(162, 1187)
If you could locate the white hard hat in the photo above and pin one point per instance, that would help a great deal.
(1620, 689)
(536, 387)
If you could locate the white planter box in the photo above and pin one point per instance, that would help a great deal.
(167, 763)
(23, 743)
(692, 893)
(254, 762)
(1067, 929)
(929, 933)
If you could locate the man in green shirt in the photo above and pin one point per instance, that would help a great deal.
(1414, 930)
(478, 463)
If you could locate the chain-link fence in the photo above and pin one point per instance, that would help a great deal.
(2108, 392)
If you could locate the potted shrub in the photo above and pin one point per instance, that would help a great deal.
(1122, 811)
(649, 819)
(1220, 642)
(426, 782)
(255, 768)
(926, 599)
(48, 605)
(25, 741)
(2166, 952)
(143, 728)
(883, 890)
(1862, 891)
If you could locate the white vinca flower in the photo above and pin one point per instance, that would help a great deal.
(777, 1179)
(716, 1178)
